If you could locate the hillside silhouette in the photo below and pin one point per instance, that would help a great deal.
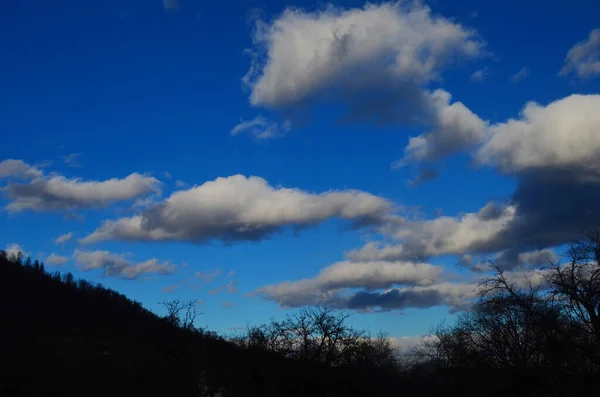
(66, 337)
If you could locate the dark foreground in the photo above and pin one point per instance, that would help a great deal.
(66, 337)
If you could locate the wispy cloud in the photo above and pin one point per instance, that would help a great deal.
(57, 260)
(520, 75)
(72, 160)
(171, 5)
(230, 288)
(480, 75)
(208, 277)
(261, 128)
(118, 265)
(63, 238)
(169, 288)
(584, 57)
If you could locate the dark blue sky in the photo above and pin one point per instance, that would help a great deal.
(122, 87)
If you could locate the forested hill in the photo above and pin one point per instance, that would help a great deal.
(67, 337)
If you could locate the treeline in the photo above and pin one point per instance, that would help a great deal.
(537, 335)
(66, 337)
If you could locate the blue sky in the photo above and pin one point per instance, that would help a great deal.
(317, 103)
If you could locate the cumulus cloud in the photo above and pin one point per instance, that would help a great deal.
(261, 128)
(59, 193)
(57, 260)
(326, 288)
(301, 54)
(520, 75)
(444, 235)
(562, 135)
(544, 212)
(377, 61)
(456, 296)
(117, 265)
(583, 58)
(554, 152)
(227, 304)
(455, 129)
(12, 168)
(386, 286)
(240, 208)
(63, 238)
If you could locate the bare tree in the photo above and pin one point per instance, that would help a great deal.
(311, 334)
(509, 327)
(181, 314)
(578, 282)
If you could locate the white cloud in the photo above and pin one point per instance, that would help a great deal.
(456, 296)
(456, 128)
(63, 238)
(58, 193)
(373, 251)
(480, 75)
(13, 249)
(333, 285)
(520, 75)
(261, 128)
(57, 260)
(562, 135)
(584, 57)
(444, 235)
(324, 287)
(118, 265)
(240, 208)
(12, 168)
(383, 286)
(377, 61)
(301, 54)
